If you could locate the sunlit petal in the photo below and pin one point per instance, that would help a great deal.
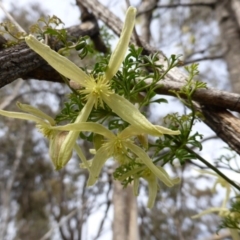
(128, 132)
(24, 116)
(72, 136)
(118, 54)
(58, 62)
(88, 127)
(152, 189)
(129, 113)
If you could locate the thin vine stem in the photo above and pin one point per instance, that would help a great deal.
(213, 168)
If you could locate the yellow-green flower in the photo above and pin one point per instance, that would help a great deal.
(44, 124)
(119, 147)
(97, 90)
(57, 138)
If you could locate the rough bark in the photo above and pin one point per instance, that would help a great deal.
(20, 61)
(146, 18)
(236, 9)
(230, 36)
(209, 97)
(224, 124)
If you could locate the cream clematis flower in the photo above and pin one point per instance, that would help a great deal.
(44, 124)
(98, 90)
(119, 147)
(55, 136)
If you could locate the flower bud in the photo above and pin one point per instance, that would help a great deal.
(55, 145)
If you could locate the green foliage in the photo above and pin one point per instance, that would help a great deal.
(46, 28)
(14, 36)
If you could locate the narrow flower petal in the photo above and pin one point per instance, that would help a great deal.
(36, 112)
(82, 157)
(129, 113)
(24, 116)
(152, 189)
(157, 171)
(135, 186)
(168, 131)
(210, 210)
(88, 127)
(58, 62)
(99, 160)
(72, 136)
(119, 53)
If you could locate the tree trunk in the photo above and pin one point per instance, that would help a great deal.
(230, 35)
(125, 213)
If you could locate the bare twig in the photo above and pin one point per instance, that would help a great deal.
(60, 224)
(198, 4)
(146, 18)
(11, 18)
(138, 41)
(203, 59)
(15, 91)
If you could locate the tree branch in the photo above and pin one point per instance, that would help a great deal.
(198, 4)
(20, 61)
(209, 97)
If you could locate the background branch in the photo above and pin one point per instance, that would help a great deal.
(197, 4)
(20, 61)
